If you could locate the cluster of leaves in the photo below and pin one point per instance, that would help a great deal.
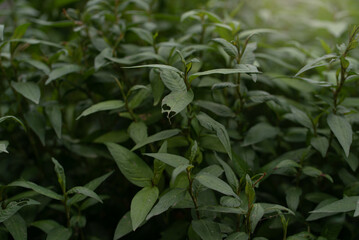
(219, 130)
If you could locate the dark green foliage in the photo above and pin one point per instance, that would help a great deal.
(153, 119)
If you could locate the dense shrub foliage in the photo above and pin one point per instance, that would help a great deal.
(153, 119)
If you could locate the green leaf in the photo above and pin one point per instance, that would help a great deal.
(238, 236)
(249, 33)
(37, 123)
(131, 166)
(230, 175)
(314, 172)
(62, 71)
(13, 118)
(61, 178)
(123, 227)
(92, 185)
(356, 212)
(137, 131)
(207, 229)
(168, 200)
(342, 131)
(160, 66)
(228, 47)
(259, 133)
(315, 63)
(20, 31)
(344, 205)
(223, 85)
(293, 197)
(218, 109)
(45, 225)
(223, 209)
(256, 215)
(169, 159)
(2, 32)
(3, 146)
(55, 116)
(136, 58)
(84, 191)
(241, 68)
(157, 86)
(59, 233)
(13, 207)
(29, 90)
(173, 81)
(300, 117)
(175, 102)
(249, 190)
(102, 106)
(100, 59)
(214, 183)
(141, 205)
(157, 137)
(16, 225)
(144, 34)
(39, 189)
(212, 125)
(37, 64)
(321, 144)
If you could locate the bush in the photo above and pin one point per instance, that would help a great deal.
(225, 120)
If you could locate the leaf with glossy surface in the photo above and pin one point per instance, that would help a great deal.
(141, 205)
(157, 137)
(342, 131)
(131, 166)
(30, 90)
(221, 132)
(102, 106)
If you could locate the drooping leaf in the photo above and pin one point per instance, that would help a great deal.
(230, 175)
(130, 165)
(30, 90)
(160, 66)
(12, 118)
(344, 205)
(315, 63)
(142, 204)
(218, 109)
(55, 117)
(136, 58)
(321, 144)
(342, 131)
(13, 207)
(212, 125)
(85, 191)
(102, 106)
(144, 34)
(157, 137)
(292, 197)
(37, 123)
(39, 189)
(16, 225)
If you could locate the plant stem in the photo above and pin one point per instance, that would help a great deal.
(190, 191)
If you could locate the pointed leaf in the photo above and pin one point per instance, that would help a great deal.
(16, 225)
(131, 166)
(62, 71)
(141, 205)
(30, 90)
(175, 102)
(59, 233)
(212, 125)
(123, 227)
(342, 131)
(157, 137)
(102, 106)
(85, 191)
(169, 159)
(321, 144)
(173, 81)
(214, 183)
(256, 215)
(344, 205)
(207, 229)
(228, 47)
(14, 207)
(55, 117)
(61, 178)
(39, 189)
